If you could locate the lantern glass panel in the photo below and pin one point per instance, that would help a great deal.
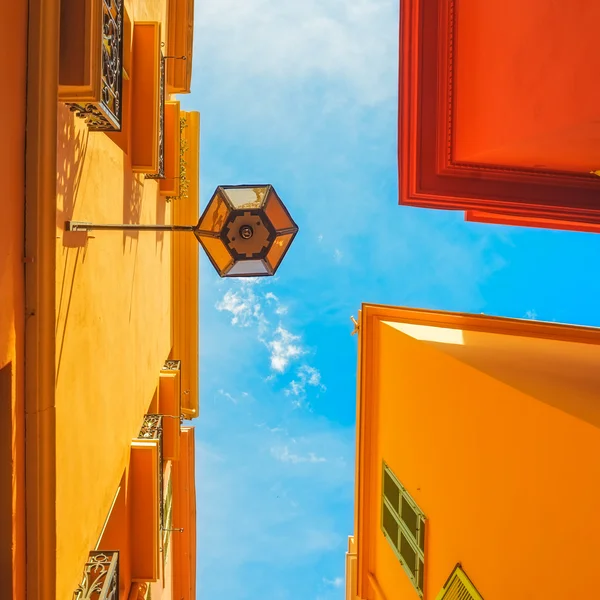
(218, 252)
(248, 268)
(277, 214)
(280, 245)
(246, 197)
(216, 214)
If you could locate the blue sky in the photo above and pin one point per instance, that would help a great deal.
(303, 95)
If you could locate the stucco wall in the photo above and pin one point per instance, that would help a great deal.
(506, 474)
(525, 95)
(13, 72)
(113, 330)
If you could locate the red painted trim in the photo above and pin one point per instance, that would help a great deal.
(428, 175)
(477, 216)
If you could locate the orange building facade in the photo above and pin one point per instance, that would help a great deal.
(494, 119)
(477, 443)
(98, 333)
(12, 306)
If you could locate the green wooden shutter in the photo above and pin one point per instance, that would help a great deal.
(403, 525)
(459, 587)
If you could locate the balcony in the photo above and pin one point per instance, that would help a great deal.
(147, 99)
(147, 511)
(100, 577)
(91, 61)
(169, 398)
(152, 429)
(160, 173)
(173, 185)
(180, 44)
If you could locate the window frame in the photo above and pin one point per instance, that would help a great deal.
(416, 543)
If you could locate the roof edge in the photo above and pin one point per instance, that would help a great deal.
(484, 323)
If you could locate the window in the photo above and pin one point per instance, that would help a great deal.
(459, 587)
(403, 524)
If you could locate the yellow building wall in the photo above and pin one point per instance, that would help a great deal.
(13, 69)
(113, 323)
(496, 438)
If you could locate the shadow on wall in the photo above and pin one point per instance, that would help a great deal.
(161, 209)
(72, 145)
(116, 535)
(564, 375)
(133, 195)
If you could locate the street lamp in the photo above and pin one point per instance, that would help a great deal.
(245, 230)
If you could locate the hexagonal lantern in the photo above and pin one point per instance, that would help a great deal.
(246, 230)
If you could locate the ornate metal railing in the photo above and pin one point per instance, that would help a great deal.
(172, 365)
(184, 182)
(161, 123)
(105, 113)
(152, 429)
(100, 577)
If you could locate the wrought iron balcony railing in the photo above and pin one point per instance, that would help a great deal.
(152, 429)
(172, 365)
(184, 182)
(160, 174)
(104, 112)
(100, 577)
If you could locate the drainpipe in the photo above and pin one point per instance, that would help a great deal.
(40, 249)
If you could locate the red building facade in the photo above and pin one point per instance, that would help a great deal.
(500, 110)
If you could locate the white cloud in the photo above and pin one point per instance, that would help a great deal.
(280, 309)
(531, 314)
(250, 307)
(244, 305)
(231, 397)
(272, 429)
(264, 489)
(228, 396)
(283, 454)
(338, 582)
(284, 348)
(348, 42)
(337, 255)
(305, 376)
